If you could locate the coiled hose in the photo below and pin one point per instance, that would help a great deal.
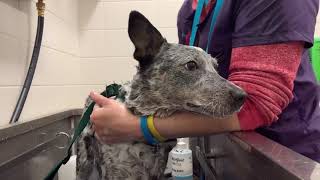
(33, 64)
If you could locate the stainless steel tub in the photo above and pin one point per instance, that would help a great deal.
(29, 150)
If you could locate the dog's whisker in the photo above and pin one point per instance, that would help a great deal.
(223, 112)
(214, 108)
(220, 109)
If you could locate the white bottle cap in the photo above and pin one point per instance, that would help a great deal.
(182, 145)
(185, 140)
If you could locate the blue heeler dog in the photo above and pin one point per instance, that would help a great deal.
(170, 77)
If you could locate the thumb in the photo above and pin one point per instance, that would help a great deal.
(99, 99)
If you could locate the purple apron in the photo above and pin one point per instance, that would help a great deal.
(255, 22)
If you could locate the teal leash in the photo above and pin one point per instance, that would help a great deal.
(111, 90)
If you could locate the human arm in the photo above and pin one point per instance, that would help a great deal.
(268, 93)
(254, 26)
(113, 123)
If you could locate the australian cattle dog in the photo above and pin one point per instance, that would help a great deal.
(170, 77)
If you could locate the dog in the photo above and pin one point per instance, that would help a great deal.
(170, 77)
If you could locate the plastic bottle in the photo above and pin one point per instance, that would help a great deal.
(181, 161)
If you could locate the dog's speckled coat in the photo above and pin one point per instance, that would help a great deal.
(170, 77)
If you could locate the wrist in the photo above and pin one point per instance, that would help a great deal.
(153, 130)
(146, 132)
(137, 130)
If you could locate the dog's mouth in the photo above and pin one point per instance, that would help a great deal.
(213, 112)
(192, 105)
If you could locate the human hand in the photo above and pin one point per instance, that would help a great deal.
(113, 122)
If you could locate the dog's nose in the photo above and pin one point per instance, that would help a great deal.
(238, 95)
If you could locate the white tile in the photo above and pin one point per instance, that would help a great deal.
(118, 43)
(103, 70)
(91, 14)
(67, 10)
(12, 61)
(117, 13)
(9, 8)
(9, 96)
(101, 43)
(113, 43)
(9, 13)
(44, 100)
(27, 20)
(165, 12)
(114, 14)
(58, 34)
(171, 34)
(110, 14)
(56, 68)
(92, 43)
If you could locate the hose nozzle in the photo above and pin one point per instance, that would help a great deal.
(41, 7)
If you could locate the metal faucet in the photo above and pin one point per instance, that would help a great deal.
(41, 7)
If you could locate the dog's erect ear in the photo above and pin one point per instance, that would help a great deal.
(145, 37)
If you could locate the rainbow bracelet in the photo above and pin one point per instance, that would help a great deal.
(153, 130)
(146, 132)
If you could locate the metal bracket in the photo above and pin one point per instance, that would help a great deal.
(208, 171)
(65, 135)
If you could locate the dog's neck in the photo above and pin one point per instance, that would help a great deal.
(142, 100)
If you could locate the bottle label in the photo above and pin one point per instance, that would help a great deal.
(181, 164)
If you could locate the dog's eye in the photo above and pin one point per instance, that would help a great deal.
(191, 66)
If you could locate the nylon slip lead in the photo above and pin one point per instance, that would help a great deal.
(111, 90)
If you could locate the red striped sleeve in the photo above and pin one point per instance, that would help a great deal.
(266, 73)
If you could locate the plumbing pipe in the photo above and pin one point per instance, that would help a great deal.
(33, 64)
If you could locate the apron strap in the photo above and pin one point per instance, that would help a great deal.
(196, 21)
(216, 12)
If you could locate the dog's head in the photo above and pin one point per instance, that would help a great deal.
(177, 76)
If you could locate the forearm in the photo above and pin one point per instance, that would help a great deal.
(186, 124)
(266, 73)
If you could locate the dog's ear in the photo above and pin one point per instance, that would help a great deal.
(145, 37)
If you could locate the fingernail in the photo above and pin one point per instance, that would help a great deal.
(92, 93)
(91, 118)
